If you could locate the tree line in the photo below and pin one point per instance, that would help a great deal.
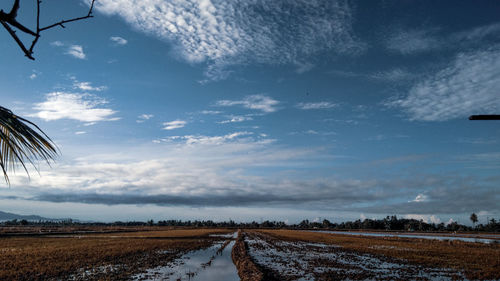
(389, 223)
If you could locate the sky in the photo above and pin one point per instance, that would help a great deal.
(254, 110)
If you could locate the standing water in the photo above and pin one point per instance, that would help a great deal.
(207, 264)
(437, 237)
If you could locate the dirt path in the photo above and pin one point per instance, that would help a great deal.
(247, 270)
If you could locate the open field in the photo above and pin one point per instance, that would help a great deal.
(113, 256)
(211, 254)
(453, 259)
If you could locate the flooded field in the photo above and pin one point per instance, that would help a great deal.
(210, 264)
(297, 260)
(226, 255)
(116, 256)
(289, 254)
(479, 239)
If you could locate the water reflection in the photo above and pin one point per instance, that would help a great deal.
(205, 264)
(437, 237)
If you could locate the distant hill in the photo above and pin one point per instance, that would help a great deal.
(4, 216)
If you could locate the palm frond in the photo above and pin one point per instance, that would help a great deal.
(21, 142)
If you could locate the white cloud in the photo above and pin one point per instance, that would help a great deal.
(316, 105)
(87, 86)
(176, 124)
(237, 32)
(420, 198)
(76, 51)
(80, 133)
(186, 166)
(34, 74)
(468, 86)
(434, 219)
(81, 107)
(412, 41)
(424, 218)
(381, 137)
(238, 169)
(57, 43)
(143, 117)
(392, 75)
(259, 102)
(118, 40)
(236, 119)
(303, 67)
(478, 33)
(207, 140)
(211, 112)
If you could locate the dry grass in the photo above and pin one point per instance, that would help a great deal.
(475, 260)
(46, 257)
(247, 269)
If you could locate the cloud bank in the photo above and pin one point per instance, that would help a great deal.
(245, 169)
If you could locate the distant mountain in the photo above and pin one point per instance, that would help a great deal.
(4, 216)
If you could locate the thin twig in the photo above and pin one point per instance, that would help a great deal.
(18, 41)
(8, 20)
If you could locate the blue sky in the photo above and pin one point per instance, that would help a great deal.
(261, 109)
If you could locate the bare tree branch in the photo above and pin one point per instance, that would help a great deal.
(8, 21)
(15, 7)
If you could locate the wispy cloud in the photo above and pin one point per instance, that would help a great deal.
(467, 86)
(143, 117)
(76, 51)
(206, 140)
(477, 34)
(410, 41)
(258, 102)
(80, 107)
(478, 141)
(316, 105)
(176, 124)
(413, 41)
(392, 75)
(87, 86)
(118, 40)
(237, 32)
(313, 132)
(303, 67)
(382, 137)
(210, 112)
(57, 44)
(236, 119)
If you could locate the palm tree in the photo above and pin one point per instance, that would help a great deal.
(473, 218)
(22, 141)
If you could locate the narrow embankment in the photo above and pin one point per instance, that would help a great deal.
(247, 269)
